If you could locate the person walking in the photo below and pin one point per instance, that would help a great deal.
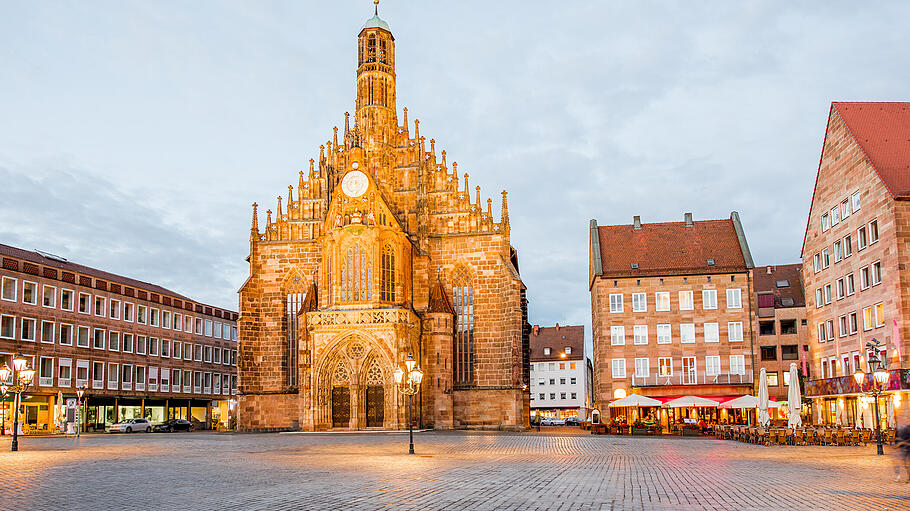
(902, 453)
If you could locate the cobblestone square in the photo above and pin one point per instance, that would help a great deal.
(555, 469)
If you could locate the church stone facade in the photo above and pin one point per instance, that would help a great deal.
(382, 250)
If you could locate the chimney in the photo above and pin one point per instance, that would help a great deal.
(636, 222)
(557, 327)
(536, 329)
(770, 270)
(689, 220)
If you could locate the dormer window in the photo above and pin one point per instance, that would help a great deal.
(568, 350)
(546, 351)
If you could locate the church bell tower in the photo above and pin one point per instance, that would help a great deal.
(376, 116)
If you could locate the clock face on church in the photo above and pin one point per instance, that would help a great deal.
(354, 183)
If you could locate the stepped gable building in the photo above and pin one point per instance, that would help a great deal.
(381, 251)
(855, 252)
(559, 373)
(139, 350)
(670, 309)
(780, 323)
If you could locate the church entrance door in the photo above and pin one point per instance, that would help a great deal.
(375, 406)
(341, 407)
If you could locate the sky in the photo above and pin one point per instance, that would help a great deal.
(135, 135)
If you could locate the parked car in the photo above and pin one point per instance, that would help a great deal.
(172, 425)
(552, 422)
(131, 425)
(572, 421)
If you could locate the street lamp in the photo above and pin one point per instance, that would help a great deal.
(79, 393)
(880, 377)
(409, 384)
(22, 378)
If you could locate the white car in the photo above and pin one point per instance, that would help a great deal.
(552, 422)
(131, 425)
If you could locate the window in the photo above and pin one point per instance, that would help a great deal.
(788, 326)
(7, 327)
(876, 273)
(218, 329)
(127, 343)
(165, 348)
(175, 380)
(709, 299)
(617, 335)
(81, 373)
(100, 308)
(197, 382)
(772, 378)
(187, 380)
(855, 202)
(97, 375)
(735, 331)
(639, 302)
(862, 241)
(852, 323)
(841, 289)
(766, 327)
(848, 246)
(562, 381)
(98, 339)
(712, 332)
(114, 309)
(66, 334)
(552, 381)
(546, 351)
(825, 222)
(187, 351)
(463, 302)
(207, 355)
(873, 231)
(615, 303)
(82, 337)
(8, 289)
(64, 372)
(197, 353)
(84, 301)
(573, 381)
(141, 345)
(541, 395)
(734, 299)
(387, 292)
(166, 319)
(199, 326)
(838, 253)
(665, 366)
(142, 316)
(687, 333)
(789, 352)
(66, 299)
(640, 334)
(188, 324)
(817, 262)
(178, 322)
(879, 314)
(845, 208)
(552, 395)
(216, 355)
(356, 275)
(140, 378)
(864, 279)
(233, 333)
(828, 294)
(768, 353)
(113, 341)
(30, 293)
(686, 302)
(153, 346)
(153, 379)
(46, 372)
(842, 326)
(128, 312)
(208, 328)
(662, 301)
(113, 375)
(712, 365)
(49, 296)
(819, 298)
(568, 350)
(821, 332)
(849, 285)
(642, 368)
(154, 317)
(664, 335)
(619, 368)
(737, 364)
(826, 259)
(178, 350)
(27, 329)
(47, 332)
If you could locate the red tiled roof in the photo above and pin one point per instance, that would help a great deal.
(882, 131)
(34, 257)
(557, 338)
(669, 248)
(764, 282)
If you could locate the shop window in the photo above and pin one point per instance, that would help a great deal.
(772, 379)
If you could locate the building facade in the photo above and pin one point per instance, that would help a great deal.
(138, 349)
(780, 324)
(559, 372)
(382, 252)
(854, 254)
(670, 309)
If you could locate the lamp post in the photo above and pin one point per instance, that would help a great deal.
(880, 377)
(409, 384)
(22, 378)
(79, 393)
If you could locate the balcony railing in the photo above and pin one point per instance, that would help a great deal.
(692, 378)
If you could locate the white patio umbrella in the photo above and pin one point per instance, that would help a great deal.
(794, 399)
(689, 401)
(891, 422)
(747, 401)
(763, 417)
(839, 415)
(634, 400)
(868, 420)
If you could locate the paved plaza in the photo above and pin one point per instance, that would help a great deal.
(555, 469)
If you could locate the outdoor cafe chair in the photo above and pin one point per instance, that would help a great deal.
(799, 437)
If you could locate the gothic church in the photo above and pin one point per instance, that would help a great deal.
(381, 252)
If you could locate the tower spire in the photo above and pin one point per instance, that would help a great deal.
(375, 7)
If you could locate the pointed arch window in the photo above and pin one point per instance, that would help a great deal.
(463, 301)
(294, 298)
(356, 275)
(387, 278)
(371, 48)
